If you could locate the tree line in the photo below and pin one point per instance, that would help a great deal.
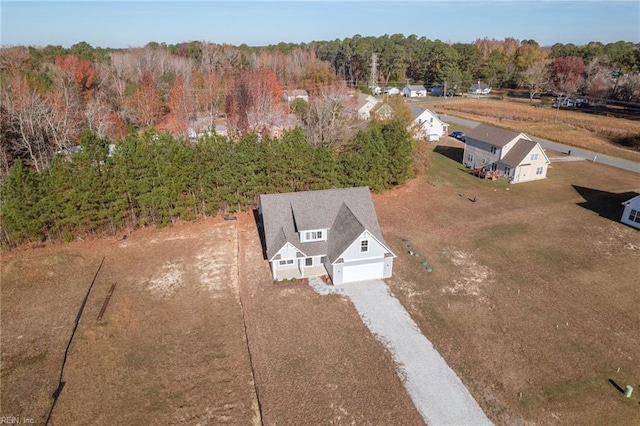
(154, 179)
(50, 94)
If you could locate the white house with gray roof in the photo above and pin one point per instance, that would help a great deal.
(514, 154)
(631, 213)
(331, 232)
(414, 91)
(426, 125)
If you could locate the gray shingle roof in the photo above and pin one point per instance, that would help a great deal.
(416, 87)
(345, 229)
(283, 215)
(416, 111)
(492, 135)
(518, 152)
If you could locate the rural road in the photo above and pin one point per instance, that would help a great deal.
(575, 152)
(435, 389)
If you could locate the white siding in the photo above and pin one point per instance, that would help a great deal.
(632, 206)
(376, 250)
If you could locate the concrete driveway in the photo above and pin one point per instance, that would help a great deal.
(439, 395)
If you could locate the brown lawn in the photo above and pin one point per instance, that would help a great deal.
(533, 298)
(576, 128)
(172, 348)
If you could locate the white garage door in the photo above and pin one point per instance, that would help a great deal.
(369, 271)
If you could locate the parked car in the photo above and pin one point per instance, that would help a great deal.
(459, 135)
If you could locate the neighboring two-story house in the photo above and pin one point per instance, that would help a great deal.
(515, 155)
(315, 233)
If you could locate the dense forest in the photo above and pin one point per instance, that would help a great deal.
(145, 120)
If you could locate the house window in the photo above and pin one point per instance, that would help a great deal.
(470, 158)
(507, 171)
(634, 216)
(494, 149)
(308, 261)
(322, 259)
(534, 156)
(539, 170)
(364, 246)
(484, 161)
(313, 235)
(286, 262)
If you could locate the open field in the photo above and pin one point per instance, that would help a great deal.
(576, 128)
(533, 298)
(172, 348)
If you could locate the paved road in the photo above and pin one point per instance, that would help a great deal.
(577, 152)
(437, 392)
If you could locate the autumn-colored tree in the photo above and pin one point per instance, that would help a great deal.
(535, 78)
(24, 122)
(79, 71)
(146, 102)
(181, 104)
(566, 73)
(254, 102)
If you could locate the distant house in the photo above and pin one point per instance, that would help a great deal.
(631, 214)
(480, 88)
(382, 111)
(514, 155)
(391, 91)
(365, 104)
(414, 91)
(291, 95)
(315, 233)
(426, 125)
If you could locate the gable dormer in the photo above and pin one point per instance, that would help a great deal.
(313, 235)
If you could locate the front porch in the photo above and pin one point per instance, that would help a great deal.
(309, 271)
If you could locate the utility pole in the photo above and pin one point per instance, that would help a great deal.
(558, 102)
(373, 77)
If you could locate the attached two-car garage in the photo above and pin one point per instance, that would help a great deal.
(369, 271)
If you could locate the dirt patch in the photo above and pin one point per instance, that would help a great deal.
(532, 298)
(169, 350)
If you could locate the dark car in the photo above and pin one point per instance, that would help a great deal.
(459, 135)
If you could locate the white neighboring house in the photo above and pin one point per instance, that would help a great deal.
(291, 95)
(515, 155)
(315, 233)
(414, 91)
(480, 88)
(426, 125)
(631, 214)
(364, 106)
(391, 91)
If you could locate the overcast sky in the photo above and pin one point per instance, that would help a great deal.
(258, 23)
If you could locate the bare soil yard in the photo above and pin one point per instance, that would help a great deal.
(576, 128)
(171, 348)
(533, 298)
